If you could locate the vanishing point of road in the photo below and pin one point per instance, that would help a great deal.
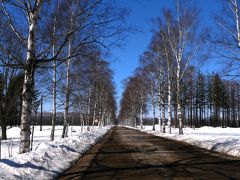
(130, 154)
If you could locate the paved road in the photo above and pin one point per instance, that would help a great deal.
(130, 154)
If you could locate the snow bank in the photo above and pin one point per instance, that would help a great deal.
(223, 140)
(49, 159)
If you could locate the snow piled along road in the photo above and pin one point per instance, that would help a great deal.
(224, 140)
(48, 159)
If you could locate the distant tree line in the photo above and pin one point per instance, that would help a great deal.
(10, 99)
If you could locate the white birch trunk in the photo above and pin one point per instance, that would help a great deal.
(177, 49)
(28, 88)
(80, 109)
(169, 104)
(102, 111)
(159, 108)
(28, 85)
(94, 115)
(54, 90)
(67, 98)
(141, 115)
(163, 116)
(179, 108)
(89, 107)
(54, 101)
(154, 114)
(153, 105)
(236, 12)
(54, 85)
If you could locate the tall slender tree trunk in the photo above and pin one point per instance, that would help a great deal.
(54, 94)
(28, 85)
(169, 104)
(228, 116)
(154, 115)
(101, 110)
(41, 114)
(191, 112)
(210, 114)
(54, 81)
(153, 105)
(179, 108)
(196, 115)
(141, 115)
(163, 117)
(89, 108)
(200, 116)
(33, 127)
(28, 91)
(80, 106)
(236, 12)
(94, 114)
(81, 122)
(204, 114)
(223, 118)
(67, 98)
(175, 115)
(159, 108)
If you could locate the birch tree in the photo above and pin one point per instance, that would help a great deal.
(181, 35)
(167, 55)
(54, 78)
(163, 64)
(72, 15)
(37, 45)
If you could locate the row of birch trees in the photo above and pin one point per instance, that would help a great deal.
(57, 47)
(169, 85)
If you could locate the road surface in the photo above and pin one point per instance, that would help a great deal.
(130, 154)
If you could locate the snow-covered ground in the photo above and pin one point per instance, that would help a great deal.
(48, 159)
(224, 140)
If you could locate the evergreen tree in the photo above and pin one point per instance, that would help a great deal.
(201, 89)
(217, 92)
(10, 99)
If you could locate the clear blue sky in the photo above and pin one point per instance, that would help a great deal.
(141, 13)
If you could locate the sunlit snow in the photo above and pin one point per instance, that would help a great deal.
(48, 159)
(224, 140)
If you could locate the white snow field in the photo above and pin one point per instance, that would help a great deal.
(223, 140)
(48, 159)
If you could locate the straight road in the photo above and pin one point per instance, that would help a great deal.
(130, 154)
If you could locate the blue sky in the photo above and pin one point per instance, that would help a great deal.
(125, 60)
